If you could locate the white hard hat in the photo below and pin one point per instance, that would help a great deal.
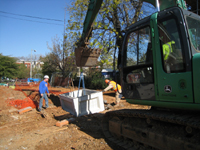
(46, 77)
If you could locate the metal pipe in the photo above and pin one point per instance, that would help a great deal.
(197, 7)
(158, 5)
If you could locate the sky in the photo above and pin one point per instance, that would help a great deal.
(20, 37)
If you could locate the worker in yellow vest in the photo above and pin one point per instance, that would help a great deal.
(168, 56)
(116, 87)
(167, 49)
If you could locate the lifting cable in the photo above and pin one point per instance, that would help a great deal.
(115, 69)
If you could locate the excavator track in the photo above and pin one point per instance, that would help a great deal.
(152, 129)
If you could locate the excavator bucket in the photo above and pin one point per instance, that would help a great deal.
(86, 57)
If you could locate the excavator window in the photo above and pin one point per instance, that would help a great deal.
(138, 77)
(139, 57)
(194, 33)
(170, 42)
(139, 47)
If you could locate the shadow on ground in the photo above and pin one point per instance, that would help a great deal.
(110, 94)
(91, 125)
(55, 100)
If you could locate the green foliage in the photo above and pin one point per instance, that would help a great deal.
(47, 69)
(95, 80)
(23, 71)
(8, 66)
(37, 73)
(106, 59)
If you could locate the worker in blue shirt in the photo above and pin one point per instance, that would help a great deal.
(42, 91)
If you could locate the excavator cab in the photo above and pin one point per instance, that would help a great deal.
(159, 68)
(158, 57)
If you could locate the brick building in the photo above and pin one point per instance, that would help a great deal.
(35, 64)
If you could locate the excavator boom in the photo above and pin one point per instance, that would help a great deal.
(92, 12)
(86, 56)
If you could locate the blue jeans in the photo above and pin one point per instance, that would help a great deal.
(41, 101)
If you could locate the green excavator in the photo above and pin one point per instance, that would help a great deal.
(159, 67)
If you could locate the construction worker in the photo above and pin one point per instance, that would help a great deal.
(116, 87)
(168, 56)
(42, 91)
(167, 49)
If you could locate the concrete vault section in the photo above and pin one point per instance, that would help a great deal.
(82, 102)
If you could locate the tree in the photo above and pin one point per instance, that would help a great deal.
(36, 72)
(61, 58)
(114, 16)
(48, 68)
(23, 71)
(8, 67)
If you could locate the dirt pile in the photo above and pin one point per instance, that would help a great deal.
(8, 94)
(17, 99)
(32, 131)
(26, 95)
(20, 104)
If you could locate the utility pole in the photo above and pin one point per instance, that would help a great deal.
(64, 44)
(31, 64)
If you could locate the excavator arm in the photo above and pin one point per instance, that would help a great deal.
(92, 12)
(86, 56)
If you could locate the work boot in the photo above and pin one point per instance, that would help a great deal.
(46, 107)
(39, 109)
